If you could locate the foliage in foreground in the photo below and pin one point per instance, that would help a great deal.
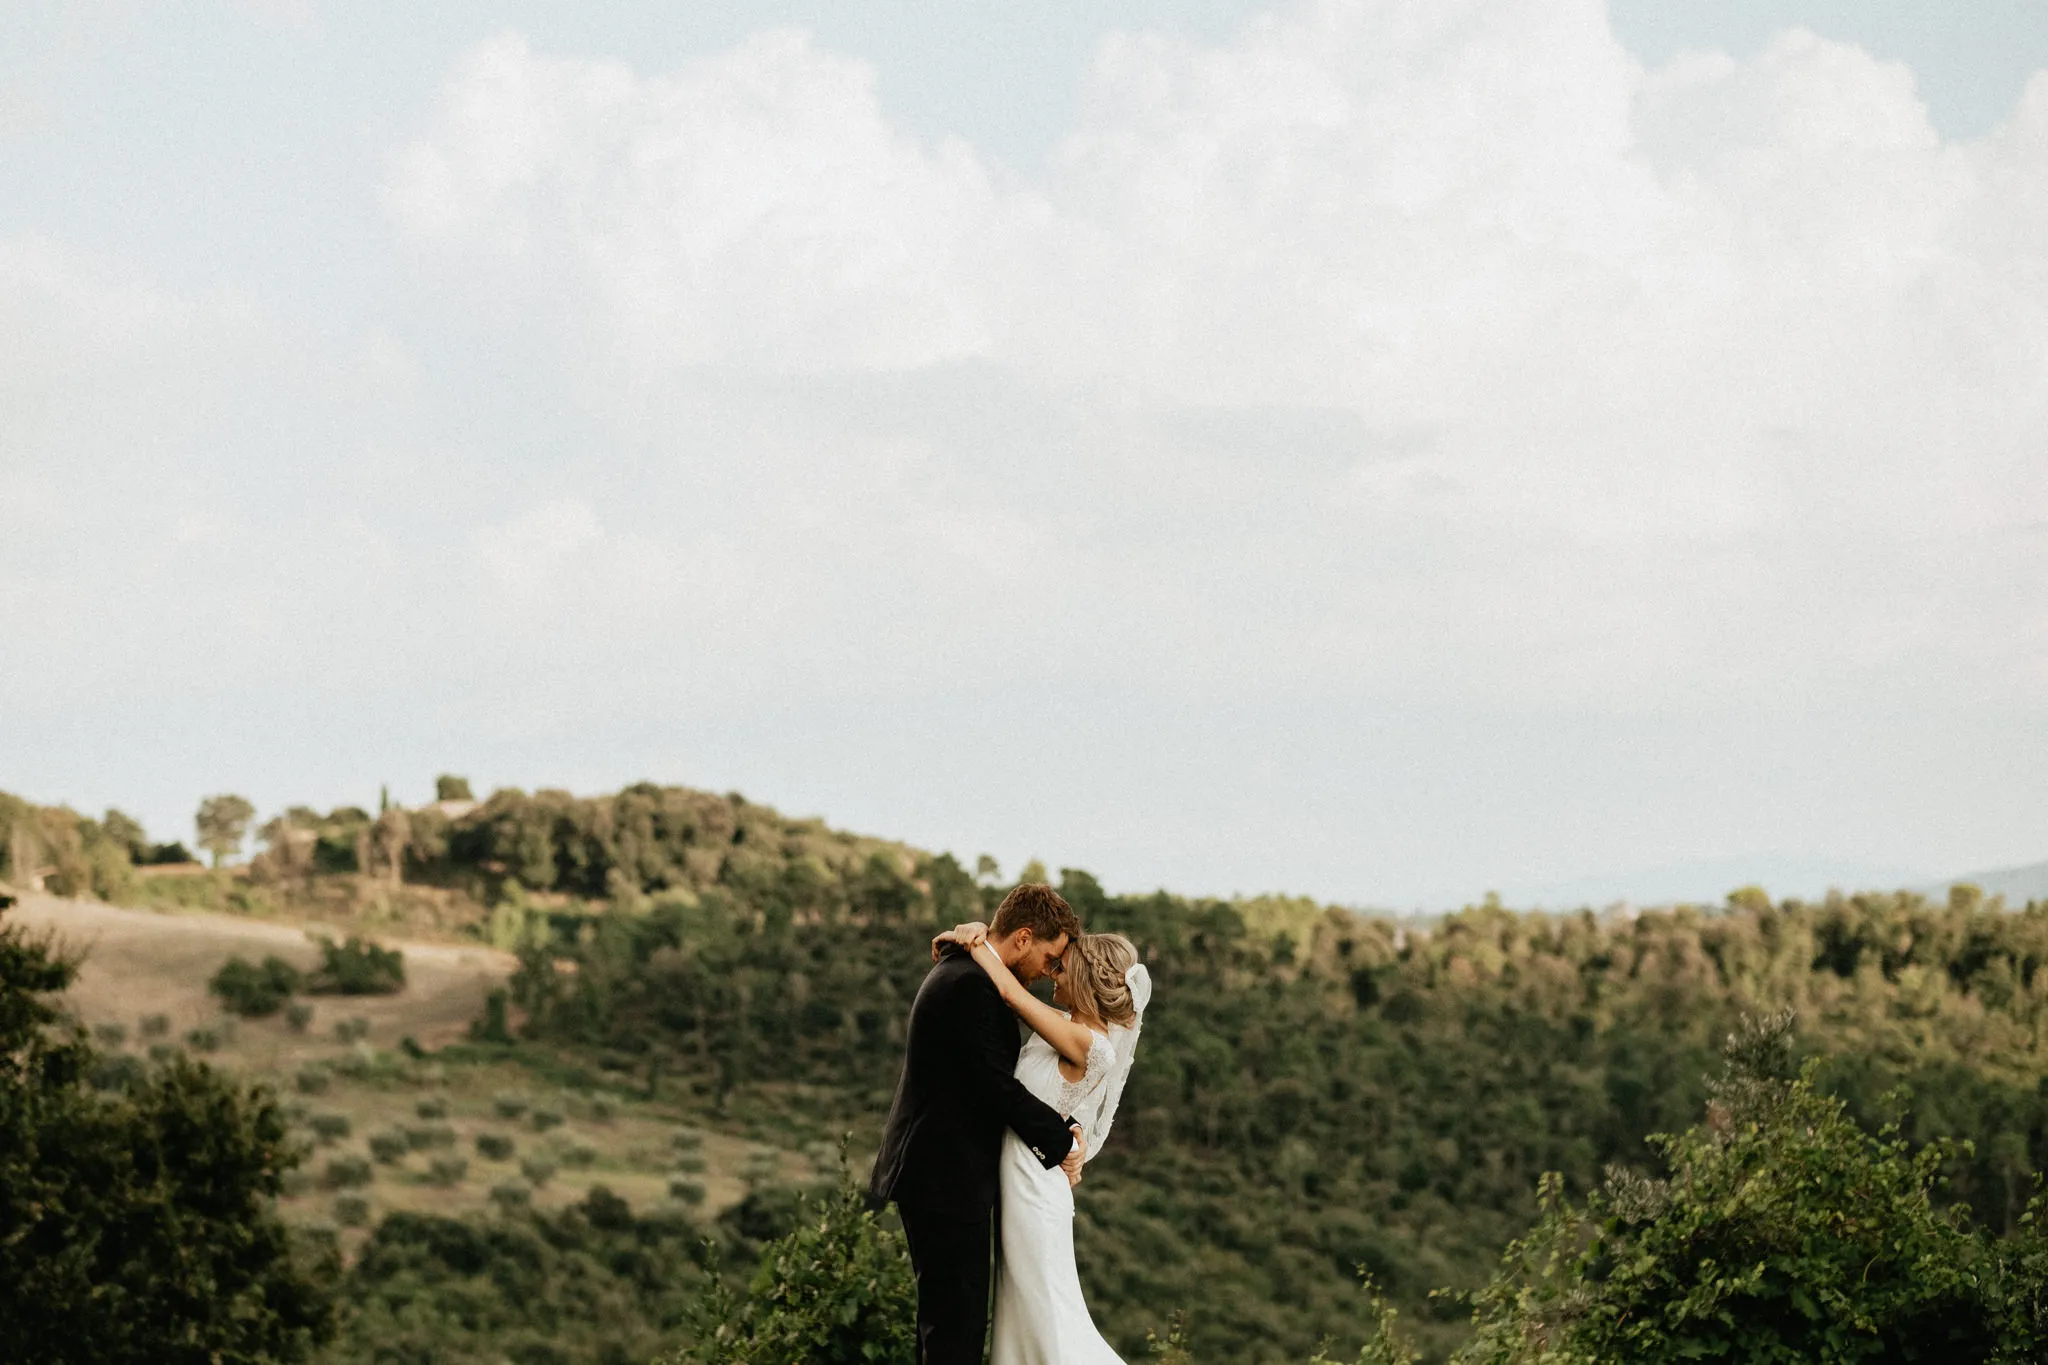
(1783, 1233)
(137, 1226)
(837, 1288)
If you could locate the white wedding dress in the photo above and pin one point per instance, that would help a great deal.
(1041, 1318)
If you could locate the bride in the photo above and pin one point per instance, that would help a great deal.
(1077, 1061)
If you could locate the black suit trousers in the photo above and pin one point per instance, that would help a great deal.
(951, 1258)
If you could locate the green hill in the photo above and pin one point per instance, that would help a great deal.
(1318, 1091)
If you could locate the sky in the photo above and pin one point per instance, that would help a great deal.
(1383, 450)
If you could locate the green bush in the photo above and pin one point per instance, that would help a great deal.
(329, 1127)
(298, 1016)
(690, 1164)
(203, 1039)
(837, 1288)
(1783, 1232)
(690, 1192)
(312, 1080)
(579, 1155)
(154, 1025)
(601, 1108)
(294, 1183)
(508, 1105)
(353, 1029)
(164, 1053)
(511, 1194)
(108, 1033)
(544, 1119)
(357, 966)
(432, 1107)
(424, 1135)
(347, 1172)
(447, 1170)
(255, 990)
(495, 1146)
(119, 1073)
(351, 1210)
(389, 1147)
(538, 1170)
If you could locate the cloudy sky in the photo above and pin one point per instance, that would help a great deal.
(1377, 449)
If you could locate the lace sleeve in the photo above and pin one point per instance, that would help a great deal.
(1083, 1099)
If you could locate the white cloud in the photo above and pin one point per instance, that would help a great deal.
(1387, 355)
(1681, 345)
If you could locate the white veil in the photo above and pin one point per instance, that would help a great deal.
(1125, 1037)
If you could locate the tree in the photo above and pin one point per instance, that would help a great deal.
(1784, 1232)
(222, 823)
(448, 787)
(140, 1226)
(127, 831)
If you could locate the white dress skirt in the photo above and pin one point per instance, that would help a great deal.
(1041, 1318)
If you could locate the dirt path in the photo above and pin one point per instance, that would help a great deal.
(141, 962)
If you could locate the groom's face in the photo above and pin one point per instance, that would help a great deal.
(1040, 958)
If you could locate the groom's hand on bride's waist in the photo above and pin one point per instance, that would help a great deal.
(1077, 1154)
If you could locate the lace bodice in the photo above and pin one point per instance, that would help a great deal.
(1085, 1101)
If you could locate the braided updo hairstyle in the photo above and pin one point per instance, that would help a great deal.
(1094, 968)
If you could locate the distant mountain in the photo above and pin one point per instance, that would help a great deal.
(2017, 884)
(1704, 881)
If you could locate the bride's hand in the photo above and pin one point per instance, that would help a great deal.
(970, 936)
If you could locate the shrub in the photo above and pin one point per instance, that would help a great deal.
(351, 1210)
(432, 1107)
(837, 1288)
(154, 1025)
(358, 967)
(689, 1192)
(313, 1080)
(203, 1039)
(544, 1119)
(347, 1172)
(358, 1062)
(495, 1146)
(294, 1183)
(690, 1164)
(579, 1155)
(686, 1139)
(1783, 1232)
(511, 1194)
(353, 1029)
(329, 1127)
(121, 1073)
(447, 1170)
(389, 1147)
(508, 1105)
(424, 1135)
(110, 1033)
(602, 1109)
(255, 990)
(163, 1053)
(298, 1016)
(538, 1170)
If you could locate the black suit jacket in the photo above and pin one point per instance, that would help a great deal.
(956, 1096)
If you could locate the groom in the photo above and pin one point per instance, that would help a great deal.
(945, 1135)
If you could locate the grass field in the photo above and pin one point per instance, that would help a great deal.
(143, 963)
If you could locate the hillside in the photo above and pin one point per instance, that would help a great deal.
(1319, 1090)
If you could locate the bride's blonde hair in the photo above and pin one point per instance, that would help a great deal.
(1094, 966)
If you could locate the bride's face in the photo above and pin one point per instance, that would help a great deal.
(1062, 991)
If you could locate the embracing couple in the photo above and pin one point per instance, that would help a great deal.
(988, 1133)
